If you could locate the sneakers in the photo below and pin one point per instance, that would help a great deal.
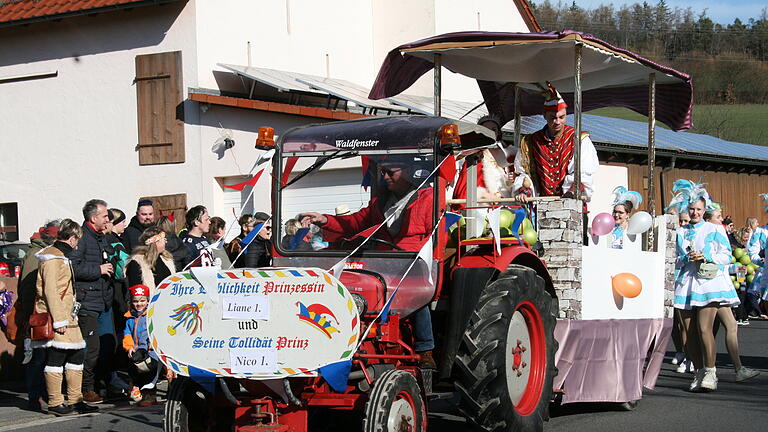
(135, 394)
(84, 408)
(61, 410)
(696, 383)
(678, 358)
(685, 366)
(709, 381)
(742, 322)
(745, 373)
(92, 397)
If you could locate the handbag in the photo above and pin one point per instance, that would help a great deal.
(41, 326)
(708, 270)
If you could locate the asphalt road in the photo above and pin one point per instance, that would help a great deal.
(741, 407)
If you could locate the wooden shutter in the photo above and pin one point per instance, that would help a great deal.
(165, 204)
(159, 100)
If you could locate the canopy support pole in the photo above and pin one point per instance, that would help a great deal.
(577, 125)
(651, 153)
(438, 83)
(518, 125)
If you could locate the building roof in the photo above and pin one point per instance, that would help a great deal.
(615, 134)
(17, 12)
(608, 134)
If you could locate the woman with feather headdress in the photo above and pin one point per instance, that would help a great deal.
(757, 243)
(702, 284)
(624, 201)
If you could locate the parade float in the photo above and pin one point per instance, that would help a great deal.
(331, 329)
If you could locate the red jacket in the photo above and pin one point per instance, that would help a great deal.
(415, 228)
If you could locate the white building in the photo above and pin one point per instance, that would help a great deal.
(97, 101)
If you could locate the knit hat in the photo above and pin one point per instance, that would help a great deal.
(139, 291)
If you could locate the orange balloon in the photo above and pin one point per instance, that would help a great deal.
(627, 285)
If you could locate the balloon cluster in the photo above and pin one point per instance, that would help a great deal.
(639, 223)
(740, 256)
(506, 221)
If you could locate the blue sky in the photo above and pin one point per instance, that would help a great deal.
(720, 11)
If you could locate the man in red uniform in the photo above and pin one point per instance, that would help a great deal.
(408, 214)
(544, 165)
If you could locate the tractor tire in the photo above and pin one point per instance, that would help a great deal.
(506, 360)
(395, 404)
(189, 409)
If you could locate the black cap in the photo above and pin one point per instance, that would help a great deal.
(261, 216)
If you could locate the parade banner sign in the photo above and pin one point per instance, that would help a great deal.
(252, 323)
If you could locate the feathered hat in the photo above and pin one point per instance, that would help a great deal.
(764, 197)
(552, 99)
(686, 193)
(622, 195)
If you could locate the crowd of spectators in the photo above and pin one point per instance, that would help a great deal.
(94, 279)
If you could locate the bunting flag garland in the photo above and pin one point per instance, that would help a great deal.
(366, 183)
(493, 221)
(519, 216)
(451, 219)
(251, 182)
(206, 379)
(289, 164)
(426, 254)
(298, 237)
(337, 375)
(448, 169)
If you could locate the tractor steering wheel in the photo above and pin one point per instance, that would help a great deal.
(385, 242)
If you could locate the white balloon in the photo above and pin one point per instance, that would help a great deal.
(639, 223)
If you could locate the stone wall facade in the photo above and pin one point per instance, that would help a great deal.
(669, 265)
(560, 231)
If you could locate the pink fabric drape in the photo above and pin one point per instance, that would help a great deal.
(603, 360)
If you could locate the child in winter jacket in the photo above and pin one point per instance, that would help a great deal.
(145, 365)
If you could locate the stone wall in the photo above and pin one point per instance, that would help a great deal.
(560, 231)
(669, 266)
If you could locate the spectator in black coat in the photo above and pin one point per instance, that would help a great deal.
(93, 286)
(180, 253)
(145, 217)
(258, 252)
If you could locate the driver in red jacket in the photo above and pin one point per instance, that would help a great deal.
(408, 229)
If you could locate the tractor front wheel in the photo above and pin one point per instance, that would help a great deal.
(395, 404)
(505, 364)
(191, 409)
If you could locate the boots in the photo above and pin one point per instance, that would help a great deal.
(55, 398)
(75, 392)
(427, 361)
(74, 385)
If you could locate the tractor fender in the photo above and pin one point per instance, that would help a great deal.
(484, 257)
(468, 279)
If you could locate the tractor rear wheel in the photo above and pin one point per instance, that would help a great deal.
(505, 364)
(395, 404)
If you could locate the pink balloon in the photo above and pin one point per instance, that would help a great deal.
(602, 224)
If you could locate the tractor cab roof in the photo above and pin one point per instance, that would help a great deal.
(399, 134)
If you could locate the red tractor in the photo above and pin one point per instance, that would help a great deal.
(493, 313)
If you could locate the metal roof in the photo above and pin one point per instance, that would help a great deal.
(297, 82)
(607, 130)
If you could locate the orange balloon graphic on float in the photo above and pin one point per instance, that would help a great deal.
(627, 285)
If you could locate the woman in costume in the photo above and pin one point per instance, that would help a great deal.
(624, 201)
(702, 284)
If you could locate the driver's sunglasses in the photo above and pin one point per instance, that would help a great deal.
(390, 171)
